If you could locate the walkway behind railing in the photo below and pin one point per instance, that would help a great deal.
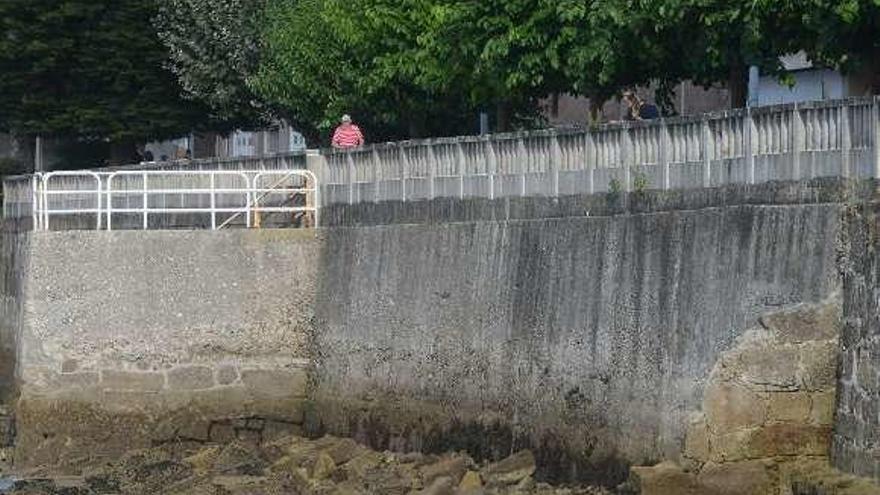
(778, 143)
(787, 142)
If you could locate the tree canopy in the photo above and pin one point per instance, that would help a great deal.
(88, 69)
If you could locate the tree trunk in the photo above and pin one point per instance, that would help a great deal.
(738, 85)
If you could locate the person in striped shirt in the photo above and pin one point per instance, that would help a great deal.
(347, 135)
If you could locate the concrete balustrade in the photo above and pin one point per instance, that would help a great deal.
(787, 142)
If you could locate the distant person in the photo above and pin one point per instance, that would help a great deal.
(148, 156)
(347, 135)
(637, 108)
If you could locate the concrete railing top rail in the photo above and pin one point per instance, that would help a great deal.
(782, 142)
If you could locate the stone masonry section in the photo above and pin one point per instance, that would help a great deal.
(766, 418)
(856, 446)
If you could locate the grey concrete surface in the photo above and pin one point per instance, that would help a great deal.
(593, 335)
(856, 441)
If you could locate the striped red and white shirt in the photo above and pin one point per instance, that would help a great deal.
(347, 136)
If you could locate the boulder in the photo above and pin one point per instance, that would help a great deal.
(665, 479)
(452, 467)
(510, 470)
(440, 486)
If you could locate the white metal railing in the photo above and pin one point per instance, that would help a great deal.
(218, 196)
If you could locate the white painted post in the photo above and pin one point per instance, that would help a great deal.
(875, 125)
(626, 156)
(351, 176)
(522, 163)
(707, 147)
(799, 142)
(404, 164)
(213, 204)
(492, 161)
(376, 164)
(750, 136)
(432, 170)
(590, 161)
(665, 153)
(845, 141)
(144, 205)
(555, 161)
(459, 151)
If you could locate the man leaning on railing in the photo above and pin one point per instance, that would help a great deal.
(347, 135)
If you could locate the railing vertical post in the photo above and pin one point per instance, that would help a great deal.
(351, 176)
(250, 195)
(875, 126)
(555, 163)
(590, 160)
(404, 164)
(665, 153)
(706, 143)
(35, 203)
(432, 170)
(145, 201)
(750, 136)
(492, 162)
(109, 202)
(845, 141)
(798, 141)
(376, 164)
(627, 156)
(460, 160)
(213, 203)
(99, 212)
(522, 163)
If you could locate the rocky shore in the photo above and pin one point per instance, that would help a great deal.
(295, 465)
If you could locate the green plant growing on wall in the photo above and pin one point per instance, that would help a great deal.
(640, 183)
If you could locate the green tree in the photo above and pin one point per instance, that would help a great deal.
(215, 48)
(92, 70)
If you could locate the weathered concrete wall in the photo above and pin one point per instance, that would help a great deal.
(856, 443)
(133, 338)
(588, 339)
(13, 259)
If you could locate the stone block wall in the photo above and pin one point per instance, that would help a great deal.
(856, 447)
(130, 339)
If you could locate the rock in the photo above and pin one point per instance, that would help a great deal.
(665, 479)
(818, 365)
(323, 467)
(239, 459)
(511, 470)
(786, 439)
(440, 486)
(822, 410)
(730, 407)
(696, 444)
(453, 467)
(738, 478)
(804, 323)
(470, 484)
(789, 407)
(203, 461)
(527, 484)
(343, 450)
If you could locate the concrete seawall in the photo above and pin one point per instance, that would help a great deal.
(585, 338)
(132, 338)
(521, 323)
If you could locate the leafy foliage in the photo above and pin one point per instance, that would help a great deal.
(91, 69)
(214, 47)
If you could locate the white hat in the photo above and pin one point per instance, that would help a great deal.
(346, 118)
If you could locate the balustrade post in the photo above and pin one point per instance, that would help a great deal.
(459, 167)
(492, 161)
(706, 143)
(522, 163)
(875, 125)
(404, 164)
(665, 153)
(627, 155)
(351, 175)
(432, 170)
(555, 162)
(376, 176)
(590, 161)
(845, 141)
(750, 136)
(799, 142)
